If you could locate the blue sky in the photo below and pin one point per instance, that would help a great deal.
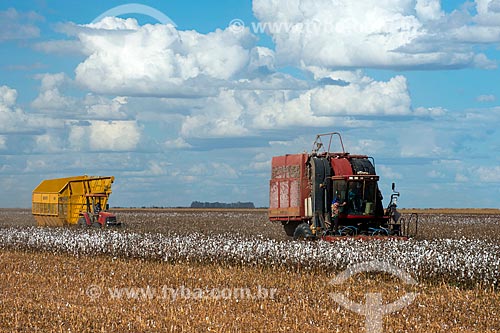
(196, 111)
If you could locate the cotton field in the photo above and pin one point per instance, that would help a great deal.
(457, 259)
(90, 280)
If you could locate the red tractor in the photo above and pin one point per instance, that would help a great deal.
(94, 216)
(332, 195)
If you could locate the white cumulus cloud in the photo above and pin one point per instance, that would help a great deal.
(237, 113)
(373, 98)
(100, 108)
(3, 141)
(222, 117)
(11, 117)
(105, 136)
(488, 174)
(486, 98)
(18, 25)
(380, 34)
(50, 96)
(8, 97)
(125, 58)
(178, 143)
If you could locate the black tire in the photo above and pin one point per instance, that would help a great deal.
(96, 225)
(303, 232)
(290, 228)
(82, 223)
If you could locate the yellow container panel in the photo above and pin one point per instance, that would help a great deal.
(73, 207)
(49, 221)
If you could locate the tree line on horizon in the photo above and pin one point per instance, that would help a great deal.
(198, 204)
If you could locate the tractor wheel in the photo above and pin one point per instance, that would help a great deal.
(303, 232)
(290, 228)
(81, 222)
(96, 225)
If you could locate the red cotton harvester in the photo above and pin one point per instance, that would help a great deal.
(330, 196)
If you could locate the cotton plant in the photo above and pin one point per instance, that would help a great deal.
(466, 261)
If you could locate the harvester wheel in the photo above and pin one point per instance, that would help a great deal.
(81, 222)
(96, 225)
(303, 232)
(290, 228)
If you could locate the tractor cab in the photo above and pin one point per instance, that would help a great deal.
(94, 215)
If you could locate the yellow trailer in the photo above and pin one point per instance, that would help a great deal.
(59, 202)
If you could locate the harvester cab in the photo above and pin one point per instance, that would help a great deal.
(330, 195)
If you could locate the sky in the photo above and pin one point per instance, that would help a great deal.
(189, 100)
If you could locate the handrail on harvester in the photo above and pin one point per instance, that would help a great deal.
(318, 144)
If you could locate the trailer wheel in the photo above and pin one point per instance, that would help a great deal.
(303, 232)
(290, 228)
(81, 222)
